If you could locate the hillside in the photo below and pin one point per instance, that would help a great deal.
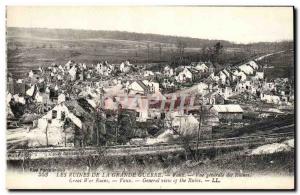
(71, 34)
(29, 48)
(281, 124)
(280, 65)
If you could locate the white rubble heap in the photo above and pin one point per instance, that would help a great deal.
(274, 148)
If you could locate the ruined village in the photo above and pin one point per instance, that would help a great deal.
(77, 104)
(155, 97)
(132, 108)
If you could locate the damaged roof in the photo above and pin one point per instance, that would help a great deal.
(77, 110)
(228, 108)
(142, 84)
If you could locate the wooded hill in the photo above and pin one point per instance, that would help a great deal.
(69, 34)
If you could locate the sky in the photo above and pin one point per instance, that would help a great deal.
(236, 24)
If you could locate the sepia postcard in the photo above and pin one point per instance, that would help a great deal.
(150, 97)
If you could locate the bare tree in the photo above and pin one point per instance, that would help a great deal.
(185, 140)
(160, 51)
(46, 132)
(180, 49)
(148, 52)
(218, 48)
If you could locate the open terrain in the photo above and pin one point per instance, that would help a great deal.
(280, 65)
(30, 48)
(281, 163)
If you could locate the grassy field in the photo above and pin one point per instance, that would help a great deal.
(31, 53)
(281, 124)
(30, 48)
(282, 63)
(24, 53)
(281, 163)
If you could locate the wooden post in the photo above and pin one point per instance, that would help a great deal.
(97, 133)
(198, 134)
(148, 52)
(47, 134)
(65, 139)
(117, 134)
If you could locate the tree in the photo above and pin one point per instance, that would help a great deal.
(186, 141)
(160, 51)
(217, 51)
(180, 49)
(100, 129)
(148, 52)
(126, 126)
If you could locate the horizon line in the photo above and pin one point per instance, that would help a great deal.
(176, 36)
